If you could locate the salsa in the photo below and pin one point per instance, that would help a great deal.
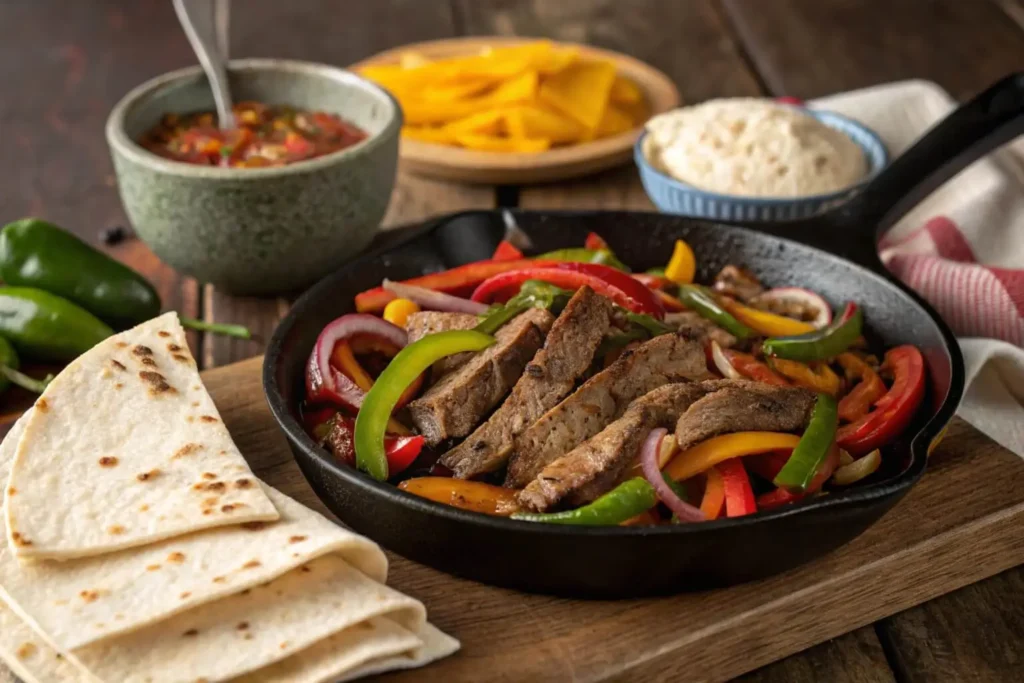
(267, 135)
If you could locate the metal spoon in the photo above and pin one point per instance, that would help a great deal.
(206, 25)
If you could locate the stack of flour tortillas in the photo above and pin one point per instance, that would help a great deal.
(141, 548)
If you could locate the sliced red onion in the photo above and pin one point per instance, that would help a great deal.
(722, 363)
(802, 296)
(434, 301)
(323, 381)
(652, 473)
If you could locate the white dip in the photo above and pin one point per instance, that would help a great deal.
(752, 148)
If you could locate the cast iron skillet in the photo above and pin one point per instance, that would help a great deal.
(833, 254)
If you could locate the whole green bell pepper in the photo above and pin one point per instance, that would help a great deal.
(48, 327)
(35, 253)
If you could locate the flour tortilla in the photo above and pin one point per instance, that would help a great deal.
(84, 601)
(30, 657)
(124, 448)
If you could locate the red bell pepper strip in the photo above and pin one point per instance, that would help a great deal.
(400, 451)
(653, 281)
(595, 242)
(506, 251)
(316, 422)
(739, 496)
(866, 393)
(780, 496)
(669, 302)
(449, 281)
(895, 410)
(751, 368)
(714, 494)
(768, 465)
(608, 282)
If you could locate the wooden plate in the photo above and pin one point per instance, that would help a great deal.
(472, 166)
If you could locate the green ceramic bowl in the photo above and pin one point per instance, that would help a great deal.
(258, 230)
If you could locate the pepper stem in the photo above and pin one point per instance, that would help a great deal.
(24, 381)
(228, 330)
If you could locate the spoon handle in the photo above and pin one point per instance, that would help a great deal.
(205, 24)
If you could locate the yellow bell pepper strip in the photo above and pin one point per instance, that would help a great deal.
(343, 357)
(739, 495)
(345, 360)
(397, 312)
(764, 322)
(819, 344)
(698, 299)
(814, 447)
(380, 400)
(817, 377)
(868, 390)
(682, 267)
(625, 501)
(709, 453)
(714, 494)
(464, 494)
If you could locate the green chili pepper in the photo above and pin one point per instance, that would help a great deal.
(45, 326)
(628, 499)
(798, 472)
(34, 253)
(581, 255)
(402, 371)
(654, 327)
(9, 374)
(532, 294)
(819, 344)
(704, 304)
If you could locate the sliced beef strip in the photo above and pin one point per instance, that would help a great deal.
(422, 323)
(454, 406)
(737, 282)
(593, 468)
(740, 406)
(692, 326)
(602, 399)
(551, 375)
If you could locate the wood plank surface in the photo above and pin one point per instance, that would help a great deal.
(929, 544)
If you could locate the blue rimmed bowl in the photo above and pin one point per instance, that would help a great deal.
(673, 196)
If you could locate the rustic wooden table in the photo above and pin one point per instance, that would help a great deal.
(64, 64)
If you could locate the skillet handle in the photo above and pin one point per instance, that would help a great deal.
(974, 129)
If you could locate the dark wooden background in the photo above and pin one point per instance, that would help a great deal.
(63, 64)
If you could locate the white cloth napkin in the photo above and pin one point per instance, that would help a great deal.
(963, 250)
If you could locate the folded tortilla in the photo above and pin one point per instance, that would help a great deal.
(130, 443)
(30, 657)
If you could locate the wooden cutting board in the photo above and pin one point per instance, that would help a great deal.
(962, 523)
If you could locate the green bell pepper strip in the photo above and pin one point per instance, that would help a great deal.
(9, 374)
(532, 294)
(582, 255)
(614, 342)
(626, 500)
(654, 327)
(813, 448)
(48, 327)
(402, 371)
(819, 344)
(698, 299)
(34, 253)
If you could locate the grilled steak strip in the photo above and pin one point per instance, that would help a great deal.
(594, 467)
(603, 398)
(457, 403)
(740, 406)
(551, 375)
(422, 323)
(692, 326)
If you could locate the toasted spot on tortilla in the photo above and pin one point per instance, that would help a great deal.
(176, 557)
(251, 564)
(253, 526)
(243, 483)
(248, 636)
(305, 568)
(210, 502)
(118, 386)
(142, 351)
(42, 406)
(186, 595)
(157, 382)
(118, 365)
(189, 419)
(148, 361)
(12, 491)
(164, 333)
(208, 511)
(284, 645)
(19, 539)
(146, 476)
(246, 591)
(25, 650)
(108, 461)
(121, 344)
(195, 404)
(60, 602)
(227, 508)
(242, 625)
(191, 632)
(196, 387)
(143, 508)
(89, 596)
(297, 539)
(180, 358)
(209, 475)
(173, 348)
(105, 373)
(118, 617)
(116, 530)
(187, 449)
(220, 579)
(152, 567)
(208, 418)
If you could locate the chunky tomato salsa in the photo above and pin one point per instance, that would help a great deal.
(267, 135)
